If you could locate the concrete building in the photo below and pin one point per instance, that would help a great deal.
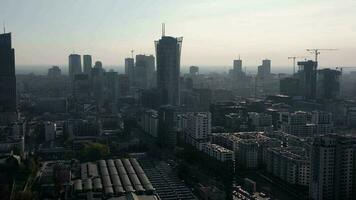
(264, 70)
(75, 65)
(289, 164)
(144, 71)
(199, 125)
(130, 69)
(307, 78)
(323, 122)
(168, 125)
(297, 123)
(328, 84)
(168, 52)
(333, 168)
(218, 152)
(248, 154)
(82, 87)
(149, 122)
(50, 131)
(261, 121)
(87, 64)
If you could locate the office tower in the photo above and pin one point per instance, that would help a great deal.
(193, 70)
(307, 79)
(75, 65)
(328, 84)
(123, 85)
(82, 87)
(237, 65)
(289, 86)
(112, 86)
(87, 64)
(7, 75)
(332, 168)
(130, 69)
(264, 70)
(98, 81)
(168, 51)
(168, 125)
(54, 72)
(144, 71)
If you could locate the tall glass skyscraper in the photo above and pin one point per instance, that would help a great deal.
(87, 64)
(75, 65)
(7, 74)
(168, 51)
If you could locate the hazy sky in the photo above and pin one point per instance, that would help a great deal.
(45, 32)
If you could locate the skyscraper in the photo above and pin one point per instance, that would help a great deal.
(332, 168)
(144, 71)
(237, 65)
(264, 70)
(130, 69)
(7, 74)
(75, 65)
(87, 64)
(307, 79)
(168, 51)
(328, 84)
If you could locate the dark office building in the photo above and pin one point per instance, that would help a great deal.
(130, 69)
(168, 51)
(112, 86)
(193, 70)
(289, 86)
(54, 72)
(307, 79)
(168, 125)
(7, 74)
(75, 65)
(328, 84)
(87, 64)
(144, 71)
(123, 85)
(82, 87)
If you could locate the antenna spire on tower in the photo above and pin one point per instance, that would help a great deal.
(132, 51)
(3, 23)
(163, 30)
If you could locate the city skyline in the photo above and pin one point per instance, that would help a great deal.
(215, 33)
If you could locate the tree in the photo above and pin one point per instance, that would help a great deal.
(94, 151)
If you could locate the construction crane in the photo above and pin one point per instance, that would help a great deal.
(316, 52)
(295, 57)
(132, 51)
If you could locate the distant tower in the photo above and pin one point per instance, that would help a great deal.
(130, 69)
(87, 64)
(144, 71)
(307, 78)
(54, 72)
(75, 65)
(168, 52)
(264, 70)
(7, 75)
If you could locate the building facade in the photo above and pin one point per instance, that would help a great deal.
(168, 53)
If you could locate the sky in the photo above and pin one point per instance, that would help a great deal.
(215, 32)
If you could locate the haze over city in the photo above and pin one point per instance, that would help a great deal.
(215, 32)
(178, 100)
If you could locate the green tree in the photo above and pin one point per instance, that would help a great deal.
(94, 151)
